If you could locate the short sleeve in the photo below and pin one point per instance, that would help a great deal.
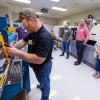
(43, 47)
(87, 31)
(17, 29)
(26, 38)
(71, 32)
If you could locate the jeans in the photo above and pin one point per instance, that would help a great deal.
(65, 47)
(43, 77)
(97, 64)
(80, 50)
(54, 44)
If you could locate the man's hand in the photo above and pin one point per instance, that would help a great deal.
(12, 51)
(84, 43)
(98, 52)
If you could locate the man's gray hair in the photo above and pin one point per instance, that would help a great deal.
(26, 13)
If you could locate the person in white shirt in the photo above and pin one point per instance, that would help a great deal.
(90, 22)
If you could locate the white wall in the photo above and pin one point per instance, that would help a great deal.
(56, 30)
(48, 27)
(49, 21)
(77, 17)
(14, 16)
(3, 11)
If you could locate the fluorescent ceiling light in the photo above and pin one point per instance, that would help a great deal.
(59, 9)
(23, 1)
(55, 0)
(39, 13)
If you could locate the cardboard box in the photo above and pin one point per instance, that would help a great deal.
(21, 96)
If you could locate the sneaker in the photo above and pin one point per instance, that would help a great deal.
(67, 57)
(52, 58)
(77, 63)
(61, 55)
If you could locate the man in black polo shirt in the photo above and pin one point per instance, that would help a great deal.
(39, 49)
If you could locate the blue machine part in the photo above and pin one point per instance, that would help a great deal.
(16, 25)
(8, 22)
(12, 37)
(5, 35)
(3, 23)
(10, 91)
(3, 26)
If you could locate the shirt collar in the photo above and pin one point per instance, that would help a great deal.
(38, 32)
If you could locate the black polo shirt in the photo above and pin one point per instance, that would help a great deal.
(40, 43)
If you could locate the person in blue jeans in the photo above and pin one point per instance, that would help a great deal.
(39, 49)
(97, 59)
(67, 36)
(43, 78)
(54, 40)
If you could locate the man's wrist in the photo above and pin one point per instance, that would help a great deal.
(18, 53)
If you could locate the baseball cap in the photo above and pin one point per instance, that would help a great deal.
(26, 13)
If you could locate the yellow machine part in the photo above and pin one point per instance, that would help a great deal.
(4, 48)
(11, 29)
(4, 76)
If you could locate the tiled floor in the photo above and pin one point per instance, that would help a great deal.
(68, 82)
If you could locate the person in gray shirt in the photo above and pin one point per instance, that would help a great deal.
(66, 38)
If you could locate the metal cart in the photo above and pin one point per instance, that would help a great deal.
(12, 78)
